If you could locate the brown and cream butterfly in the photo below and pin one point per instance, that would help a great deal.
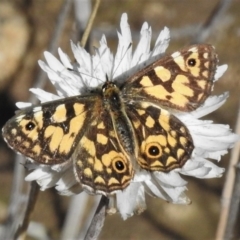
(120, 128)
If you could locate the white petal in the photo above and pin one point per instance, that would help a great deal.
(90, 69)
(210, 105)
(67, 181)
(200, 172)
(124, 50)
(173, 186)
(216, 155)
(183, 198)
(105, 59)
(44, 176)
(142, 50)
(22, 105)
(43, 96)
(206, 169)
(177, 195)
(172, 179)
(154, 189)
(126, 36)
(141, 176)
(53, 62)
(34, 175)
(65, 59)
(168, 193)
(220, 71)
(215, 170)
(52, 75)
(82, 56)
(162, 42)
(191, 165)
(130, 199)
(212, 137)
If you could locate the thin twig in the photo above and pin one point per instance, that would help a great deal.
(234, 208)
(75, 216)
(228, 186)
(22, 229)
(90, 23)
(15, 213)
(98, 220)
(212, 20)
(88, 219)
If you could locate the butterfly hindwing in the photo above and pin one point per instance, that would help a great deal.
(100, 162)
(164, 141)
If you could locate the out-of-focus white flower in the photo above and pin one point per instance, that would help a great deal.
(211, 140)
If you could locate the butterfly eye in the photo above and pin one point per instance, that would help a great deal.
(30, 126)
(191, 62)
(119, 165)
(153, 150)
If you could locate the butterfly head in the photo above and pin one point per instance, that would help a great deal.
(108, 85)
(110, 90)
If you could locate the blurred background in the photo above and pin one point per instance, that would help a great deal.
(26, 30)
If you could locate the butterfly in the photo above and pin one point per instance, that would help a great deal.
(118, 129)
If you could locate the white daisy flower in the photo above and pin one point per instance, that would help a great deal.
(211, 141)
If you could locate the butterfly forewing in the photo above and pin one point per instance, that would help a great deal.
(50, 132)
(180, 81)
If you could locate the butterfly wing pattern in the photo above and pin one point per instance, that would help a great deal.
(111, 133)
(181, 81)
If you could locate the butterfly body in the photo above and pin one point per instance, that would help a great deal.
(114, 132)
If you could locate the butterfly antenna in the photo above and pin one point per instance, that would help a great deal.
(107, 79)
(100, 80)
(99, 64)
(78, 73)
(129, 46)
(86, 74)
